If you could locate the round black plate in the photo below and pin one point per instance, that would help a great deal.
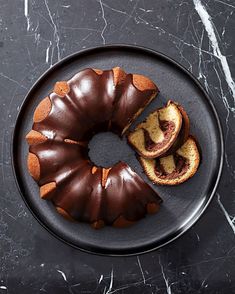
(182, 205)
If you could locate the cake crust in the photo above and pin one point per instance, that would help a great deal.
(143, 83)
(118, 76)
(61, 88)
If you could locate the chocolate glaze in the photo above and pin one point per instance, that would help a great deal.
(129, 101)
(167, 128)
(88, 104)
(81, 194)
(183, 134)
(127, 194)
(91, 104)
(181, 167)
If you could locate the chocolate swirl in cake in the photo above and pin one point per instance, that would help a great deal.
(91, 101)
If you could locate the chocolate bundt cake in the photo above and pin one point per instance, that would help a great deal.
(176, 168)
(165, 129)
(93, 100)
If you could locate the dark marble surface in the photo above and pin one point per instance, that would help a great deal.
(33, 36)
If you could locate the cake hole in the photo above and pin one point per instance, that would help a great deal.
(106, 149)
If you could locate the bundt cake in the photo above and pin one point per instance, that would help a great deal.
(165, 129)
(176, 168)
(93, 100)
(183, 134)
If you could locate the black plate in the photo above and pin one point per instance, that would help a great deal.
(182, 205)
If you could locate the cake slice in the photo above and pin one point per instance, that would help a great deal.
(183, 134)
(176, 168)
(157, 134)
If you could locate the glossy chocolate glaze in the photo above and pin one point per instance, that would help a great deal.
(91, 104)
(81, 194)
(57, 160)
(88, 105)
(127, 194)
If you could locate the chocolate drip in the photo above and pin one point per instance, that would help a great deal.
(181, 167)
(81, 195)
(122, 195)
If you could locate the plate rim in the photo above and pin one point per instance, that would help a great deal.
(144, 50)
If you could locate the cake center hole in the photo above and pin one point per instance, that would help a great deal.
(106, 149)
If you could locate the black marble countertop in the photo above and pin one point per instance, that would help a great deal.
(33, 36)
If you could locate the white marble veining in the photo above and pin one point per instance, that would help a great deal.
(210, 28)
(56, 32)
(168, 286)
(225, 3)
(141, 269)
(48, 52)
(12, 80)
(109, 290)
(101, 278)
(26, 13)
(63, 275)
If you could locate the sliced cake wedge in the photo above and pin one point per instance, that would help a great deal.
(176, 168)
(156, 135)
